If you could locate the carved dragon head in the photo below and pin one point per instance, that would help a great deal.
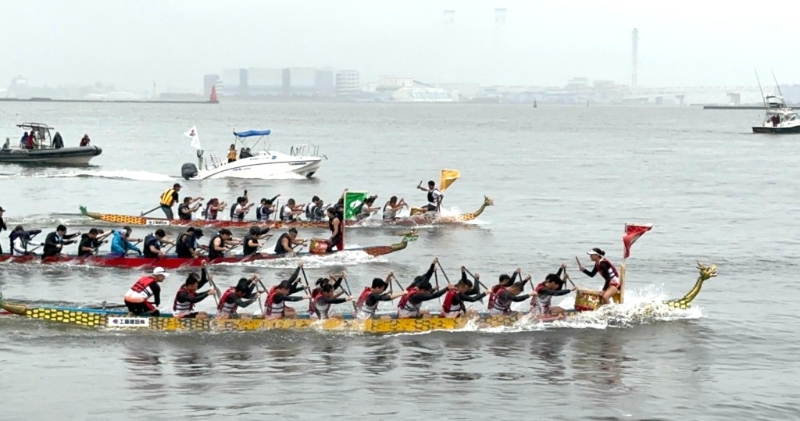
(487, 201)
(707, 272)
(409, 235)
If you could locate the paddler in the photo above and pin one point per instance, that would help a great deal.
(606, 270)
(290, 210)
(187, 296)
(426, 277)
(239, 296)
(250, 243)
(136, 299)
(503, 282)
(287, 241)
(213, 207)
(410, 305)
(434, 196)
(504, 296)
(154, 242)
(91, 241)
(19, 239)
(325, 298)
(240, 209)
(121, 243)
(221, 243)
(266, 208)
(314, 209)
(391, 207)
(2, 222)
(187, 246)
(464, 292)
(321, 282)
(188, 207)
(337, 234)
(55, 241)
(365, 210)
(367, 303)
(169, 198)
(275, 305)
(553, 286)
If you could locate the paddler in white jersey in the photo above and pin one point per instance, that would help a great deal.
(391, 207)
(434, 196)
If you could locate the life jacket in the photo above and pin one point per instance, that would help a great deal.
(312, 308)
(505, 307)
(233, 208)
(167, 199)
(248, 250)
(279, 249)
(210, 214)
(141, 289)
(405, 304)
(183, 246)
(432, 196)
(310, 211)
(224, 306)
(609, 273)
(286, 216)
(361, 303)
(150, 240)
(231, 155)
(542, 303)
(448, 306)
(180, 307)
(23, 238)
(388, 213)
(213, 254)
(321, 310)
(270, 306)
(182, 215)
(263, 213)
(493, 296)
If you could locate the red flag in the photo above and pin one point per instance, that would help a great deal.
(632, 233)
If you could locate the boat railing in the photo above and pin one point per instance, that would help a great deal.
(305, 150)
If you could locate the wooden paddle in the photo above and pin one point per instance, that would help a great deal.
(349, 292)
(211, 282)
(151, 210)
(161, 257)
(476, 280)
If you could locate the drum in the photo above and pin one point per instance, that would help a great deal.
(586, 302)
(318, 246)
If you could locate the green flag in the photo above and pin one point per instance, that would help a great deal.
(352, 203)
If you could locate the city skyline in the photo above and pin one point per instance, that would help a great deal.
(132, 45)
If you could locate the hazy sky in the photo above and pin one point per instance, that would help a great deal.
(133, 43)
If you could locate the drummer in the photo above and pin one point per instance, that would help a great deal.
(337, 232)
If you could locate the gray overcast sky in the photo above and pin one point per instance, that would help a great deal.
(174, 42)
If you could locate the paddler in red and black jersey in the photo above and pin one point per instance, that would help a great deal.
(553, 286)
(137, 298)
(606, 270)
(503, 282)
(337, 234)
(324, 299)
(187, 296)
(411, 303)
(275, 306)
(321, 282)
(221, 243)
(239, 296)
(367, 303)
(464, 292)
(286, 241)
(504, 296)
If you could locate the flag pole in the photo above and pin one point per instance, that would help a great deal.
(343, 219)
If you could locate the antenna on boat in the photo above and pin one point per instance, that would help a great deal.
(776, 83)
(763, 98)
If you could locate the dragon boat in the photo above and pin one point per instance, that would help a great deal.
(168, 262)
(430, 218)
(383, 324)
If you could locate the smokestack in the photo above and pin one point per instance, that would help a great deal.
(634, 57)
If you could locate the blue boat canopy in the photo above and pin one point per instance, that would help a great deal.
(250, 133)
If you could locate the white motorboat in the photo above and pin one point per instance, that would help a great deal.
(778, 118)
(303, 160)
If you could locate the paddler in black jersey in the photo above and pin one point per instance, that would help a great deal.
(324, 299)
(464, 292)
(411, 303)
(55, 241)
(367, 303)
(287, 241)
(337, 232)
(221, 243)
(91, 241)
(187, 296)
(154, 242)
(250, 243)
(169, 198)
(188, 207)
(187, 246)
(239, 296)
(434, 196)
(606, 270)
(279, 295)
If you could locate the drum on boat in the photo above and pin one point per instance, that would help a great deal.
(586, 302)
(318, 246)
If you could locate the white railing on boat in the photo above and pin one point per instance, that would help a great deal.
(305, 150)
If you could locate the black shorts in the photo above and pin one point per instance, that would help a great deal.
(145, 307)
(429, 208)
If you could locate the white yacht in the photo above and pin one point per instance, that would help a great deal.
(778, 118)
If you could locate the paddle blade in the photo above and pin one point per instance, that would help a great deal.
(448, 178)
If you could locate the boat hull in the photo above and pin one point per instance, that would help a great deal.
(79, 156)
(263, 167)
(776, 130)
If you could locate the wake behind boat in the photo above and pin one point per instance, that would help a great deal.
(302, 160)
(37, 147)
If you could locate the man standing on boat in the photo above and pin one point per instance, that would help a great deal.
(55, 241)
(169, 198)
(136, 299)
(434, 196)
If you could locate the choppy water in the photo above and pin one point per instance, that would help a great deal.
(563, 180)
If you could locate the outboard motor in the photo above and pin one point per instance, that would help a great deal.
(188, 170)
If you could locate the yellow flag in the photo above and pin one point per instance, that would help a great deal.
(448, 177)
